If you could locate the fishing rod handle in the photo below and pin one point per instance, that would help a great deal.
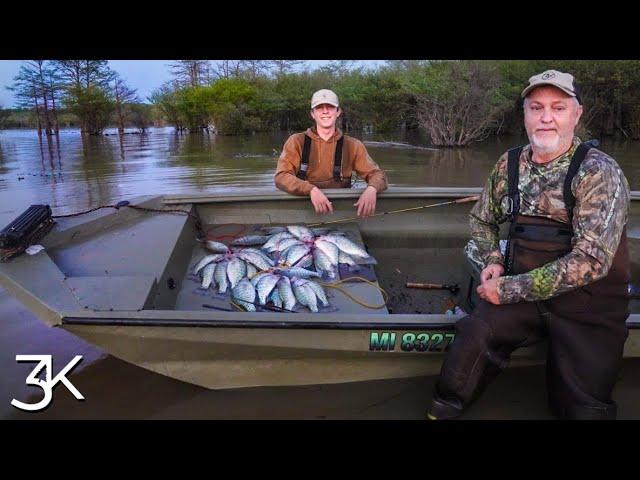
(468, 199)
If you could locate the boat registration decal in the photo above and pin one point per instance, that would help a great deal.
(429, 341)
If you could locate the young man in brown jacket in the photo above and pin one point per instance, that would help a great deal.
(322, 157)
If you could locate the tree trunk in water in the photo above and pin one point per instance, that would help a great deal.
(37, 110)
(47, 118)
(120, 120)
(56, 125)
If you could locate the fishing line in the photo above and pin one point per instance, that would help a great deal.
(351, 219)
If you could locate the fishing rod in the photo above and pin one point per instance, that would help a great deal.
(272, 308)
(350, 219)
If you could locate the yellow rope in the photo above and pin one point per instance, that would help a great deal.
(335, 286)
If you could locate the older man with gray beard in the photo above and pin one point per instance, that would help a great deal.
(564, 273)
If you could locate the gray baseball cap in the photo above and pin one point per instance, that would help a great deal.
(324, 96)
(561, 80)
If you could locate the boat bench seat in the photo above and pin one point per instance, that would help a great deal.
(113, 293)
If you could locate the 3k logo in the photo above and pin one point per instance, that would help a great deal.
(48, 384)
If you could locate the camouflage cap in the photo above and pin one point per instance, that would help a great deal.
(324, 96)
(563, 81)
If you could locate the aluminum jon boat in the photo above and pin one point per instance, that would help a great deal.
(122, 279)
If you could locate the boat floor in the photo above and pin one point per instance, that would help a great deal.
(397, 266)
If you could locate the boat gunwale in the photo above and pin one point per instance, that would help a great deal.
(168, 318)
(261, 195)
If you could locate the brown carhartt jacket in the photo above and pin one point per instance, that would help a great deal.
(320, 172)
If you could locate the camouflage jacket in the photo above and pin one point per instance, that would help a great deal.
(600, 214)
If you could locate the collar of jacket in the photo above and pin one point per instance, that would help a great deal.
(313, 134)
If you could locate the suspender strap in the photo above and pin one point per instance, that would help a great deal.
(304, 160)
(337, 161)
(513, 174)
(576, 161)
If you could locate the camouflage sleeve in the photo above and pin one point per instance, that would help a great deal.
(487, 214)
(600, 214)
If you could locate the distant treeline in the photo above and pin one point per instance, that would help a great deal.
(453, 102)
(83, 93)
(22, 118)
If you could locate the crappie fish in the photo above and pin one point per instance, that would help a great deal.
(255, 259)
(322, 262)
(305, 262)
(216, 257)
(216, 247)
(273, 241)
(297, 272)
(347, 246)
(251, 270)
(318, 232)
(294, 254)
(286, 293)
(250, 240)
(259, 252)
(301, 232)
(344, 258)
(257, 277)
(330, 249)
(236, 270)
(265, 286)
(284, 244)
(207, 276)
(318, 290)
(244, 292)
(304, 294)
(220, 276)
(275, 298)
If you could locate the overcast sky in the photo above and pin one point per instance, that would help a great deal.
(144, 75)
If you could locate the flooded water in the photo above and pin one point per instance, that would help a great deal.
(73, 173)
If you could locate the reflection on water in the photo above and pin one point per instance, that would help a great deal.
(72, 172)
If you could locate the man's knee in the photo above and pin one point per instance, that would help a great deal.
(472, 325)
(472, 329)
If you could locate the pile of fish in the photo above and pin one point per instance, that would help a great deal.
(284, 288)
(280, 270)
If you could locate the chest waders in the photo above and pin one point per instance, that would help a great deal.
(585, 326)
(337, 181)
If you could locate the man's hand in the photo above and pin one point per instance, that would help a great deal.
(320, 202)
(488, 291)
(494, 270)
(367, 202)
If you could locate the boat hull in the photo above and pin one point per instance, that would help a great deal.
(121, 280)
(219, 355)
(223, 358)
